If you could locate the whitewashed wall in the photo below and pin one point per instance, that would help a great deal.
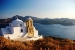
(35, 33)
(16, 30)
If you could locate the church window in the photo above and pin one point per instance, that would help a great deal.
(21, 30)
(20, 24)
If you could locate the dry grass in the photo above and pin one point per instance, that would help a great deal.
(46, 43)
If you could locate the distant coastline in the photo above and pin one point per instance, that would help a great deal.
(45, 21)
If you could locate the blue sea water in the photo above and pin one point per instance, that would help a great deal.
(56, 30)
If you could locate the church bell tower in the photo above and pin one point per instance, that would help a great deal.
(30, 27)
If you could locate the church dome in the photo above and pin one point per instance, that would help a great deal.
(17, 21)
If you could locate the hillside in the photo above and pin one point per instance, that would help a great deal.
(62, 21)
(48, 43)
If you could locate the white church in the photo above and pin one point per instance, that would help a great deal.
(19, 29)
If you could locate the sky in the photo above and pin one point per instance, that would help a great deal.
(38, 8)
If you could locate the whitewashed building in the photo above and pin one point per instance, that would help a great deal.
(19, 29)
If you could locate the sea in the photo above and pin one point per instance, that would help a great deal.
(56, 30)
